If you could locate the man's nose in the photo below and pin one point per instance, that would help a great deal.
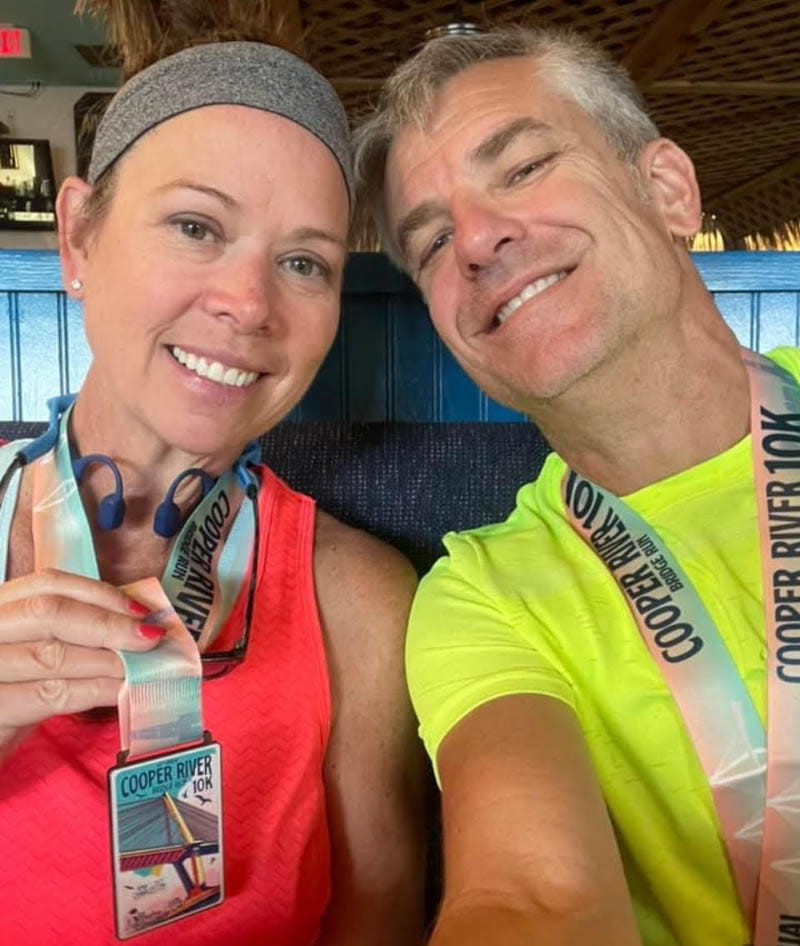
(483, 231)
(242, 292)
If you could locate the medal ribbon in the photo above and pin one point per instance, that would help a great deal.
(160, 702)
(755, 784)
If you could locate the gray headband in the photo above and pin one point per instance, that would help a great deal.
(239, 73)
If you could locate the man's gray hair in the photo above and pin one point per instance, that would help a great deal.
(570, 64)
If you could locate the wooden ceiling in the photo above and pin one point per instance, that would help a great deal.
(721, 77)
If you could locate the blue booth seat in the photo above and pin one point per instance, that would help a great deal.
(407, 483)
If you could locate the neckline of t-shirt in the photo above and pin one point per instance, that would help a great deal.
(732, 465)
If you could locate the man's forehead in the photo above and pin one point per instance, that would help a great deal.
(479, 103)
(487, 85)
(475, 114)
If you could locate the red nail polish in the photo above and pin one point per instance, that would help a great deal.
(137, 608)
(151, 632)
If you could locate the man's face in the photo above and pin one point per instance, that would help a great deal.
(538, 252)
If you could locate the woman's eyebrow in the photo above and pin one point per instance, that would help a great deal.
(224, 198)
(493, 146)
(314, 233)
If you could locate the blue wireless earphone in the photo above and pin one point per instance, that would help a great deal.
(167, 518)
(111, 511)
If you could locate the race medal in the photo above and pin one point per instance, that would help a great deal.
(166, 837)
(165, 794)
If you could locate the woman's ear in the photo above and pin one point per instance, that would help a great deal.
(73, 232)
(669, 178)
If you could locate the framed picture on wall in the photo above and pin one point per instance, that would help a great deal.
(27, 184)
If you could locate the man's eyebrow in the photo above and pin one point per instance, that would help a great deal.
(314, 233)
(493, 146)
(489, 149)
(414, 220)
(201, 188)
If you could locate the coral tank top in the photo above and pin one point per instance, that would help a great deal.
(271, 716)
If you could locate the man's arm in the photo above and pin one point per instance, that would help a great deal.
(530, 855)
(374, 768)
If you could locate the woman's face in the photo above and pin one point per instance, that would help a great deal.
(211, 285)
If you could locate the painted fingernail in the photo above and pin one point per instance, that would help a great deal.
(151, 632)
(137, 608)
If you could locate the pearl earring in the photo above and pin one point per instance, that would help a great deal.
(76, 285)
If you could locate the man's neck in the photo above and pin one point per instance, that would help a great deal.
(642, 419)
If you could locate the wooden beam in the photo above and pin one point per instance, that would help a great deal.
(788, 90)
(675, 32)
(779, 173)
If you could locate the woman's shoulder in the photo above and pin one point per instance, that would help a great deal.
(364, 590)
(359, 563)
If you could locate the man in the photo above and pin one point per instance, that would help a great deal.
(592, 792)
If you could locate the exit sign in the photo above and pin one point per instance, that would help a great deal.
(15, 43)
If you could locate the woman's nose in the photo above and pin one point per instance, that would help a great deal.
(241, 291)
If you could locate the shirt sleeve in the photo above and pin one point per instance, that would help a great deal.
(468, 644)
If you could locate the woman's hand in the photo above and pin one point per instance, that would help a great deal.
(57, 631)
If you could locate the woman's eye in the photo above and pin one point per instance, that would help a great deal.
(195, 230)
(305, 266)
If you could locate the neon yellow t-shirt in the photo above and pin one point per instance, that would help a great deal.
(524, 606)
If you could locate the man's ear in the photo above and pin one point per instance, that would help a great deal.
(73, 231)
(669, 178)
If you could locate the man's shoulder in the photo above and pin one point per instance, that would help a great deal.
(528, 533)
(788, 358)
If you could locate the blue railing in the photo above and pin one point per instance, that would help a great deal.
(386, 364)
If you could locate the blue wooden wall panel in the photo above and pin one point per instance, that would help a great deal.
(7, 386)
(386, 362)
(461, 400)
(737, 310)
(775, 319)
(40, 376)
(324, 400)
(78, 355)
(414, 366)
(366, 328)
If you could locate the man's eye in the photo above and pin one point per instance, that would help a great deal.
(525, 171)
(439, 241)
(528, 168)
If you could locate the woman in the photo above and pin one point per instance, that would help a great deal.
(207, 249)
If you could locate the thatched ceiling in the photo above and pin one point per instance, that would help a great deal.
(722, 77)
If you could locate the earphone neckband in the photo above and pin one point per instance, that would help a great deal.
(111, 510)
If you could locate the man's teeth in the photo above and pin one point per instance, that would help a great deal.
(213, 370)
(531, 290)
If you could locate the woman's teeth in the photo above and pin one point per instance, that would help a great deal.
(213, 370)
(531, 290)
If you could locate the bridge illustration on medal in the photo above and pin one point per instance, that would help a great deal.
(167, 831)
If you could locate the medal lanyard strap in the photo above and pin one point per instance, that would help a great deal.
(160, 702)
(755, 784)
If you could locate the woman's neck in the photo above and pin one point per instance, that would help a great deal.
(148, 468)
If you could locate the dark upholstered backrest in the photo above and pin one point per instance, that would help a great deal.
(408, 483)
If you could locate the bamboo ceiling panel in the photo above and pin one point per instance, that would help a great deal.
(722, 77)
(750, 39)
(366, 39)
